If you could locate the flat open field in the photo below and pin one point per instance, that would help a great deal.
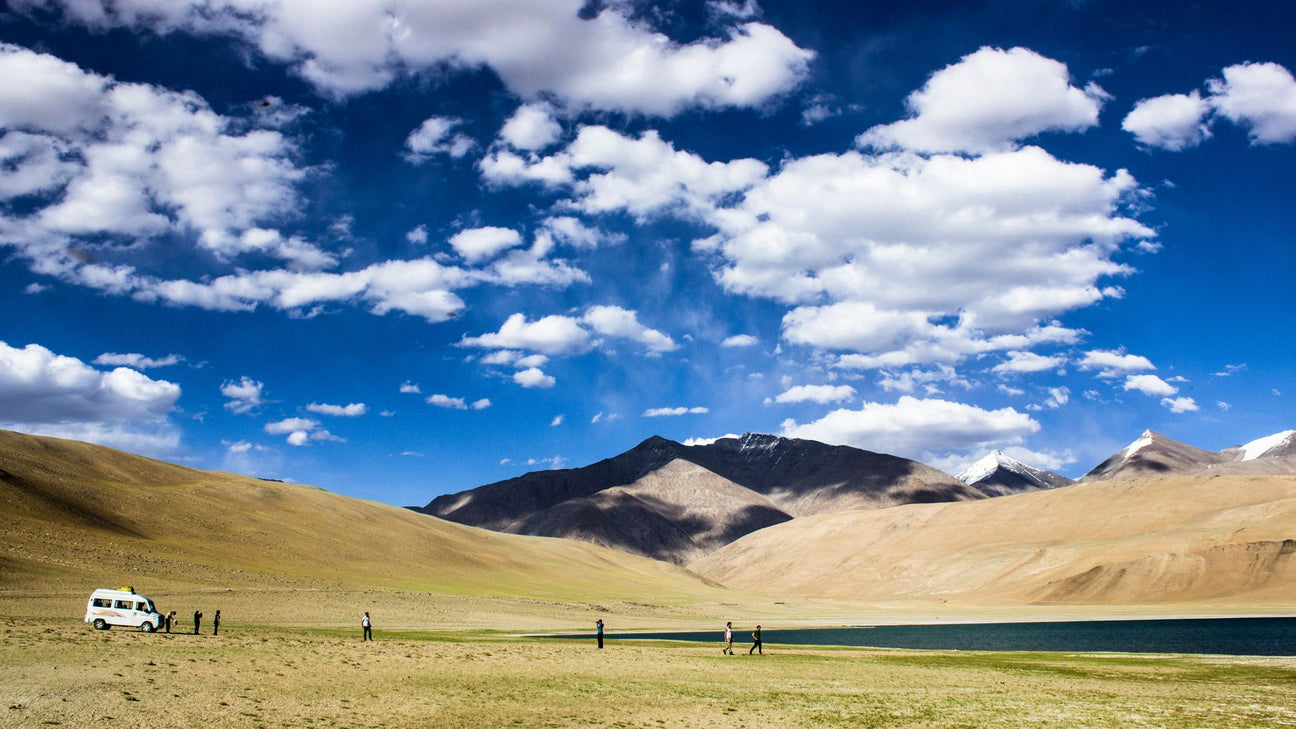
(63, 673)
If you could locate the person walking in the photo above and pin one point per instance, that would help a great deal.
(598, 624)
(368, 628)
(728, 639)
(197, 620)
(756, 642)
(216, 623)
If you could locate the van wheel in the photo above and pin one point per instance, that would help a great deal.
(100, 624)
(148, 627)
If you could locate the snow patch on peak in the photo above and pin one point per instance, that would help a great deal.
(753, 441)
(1257, 448)
(985, 467)
(1144, 441)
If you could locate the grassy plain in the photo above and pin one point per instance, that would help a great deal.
(66, 674)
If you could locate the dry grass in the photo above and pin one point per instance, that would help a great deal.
(66, 674)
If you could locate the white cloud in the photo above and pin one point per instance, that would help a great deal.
(531, 128)
(669, 412)
(137, 361)
(607, 61)
(418, 236)
(821, 394)
(436, 136)
(1027, 362)
(563, 335)
(988, 101)
(481, 404)
(1150, 385)
(551, 335)
(613, 321)
(533, 377)
(1180, 404)
(575, 233)
(478, 244)
(913, 428)
(1259, 96)
(740, 340)
(447, 402)
(139, 162)
(353, 410)
(1114, 363)
(1174, 121)
(300, 431)
(410, 388)
(558, 420)
(45, 393)
(244, 395)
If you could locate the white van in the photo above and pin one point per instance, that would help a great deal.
(122, 607)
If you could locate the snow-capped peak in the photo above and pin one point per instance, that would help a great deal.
(986, 466)
(1144, 441)
(1257, 448)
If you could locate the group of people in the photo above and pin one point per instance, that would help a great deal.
(756, 646)
(169, 619)
(756, 641)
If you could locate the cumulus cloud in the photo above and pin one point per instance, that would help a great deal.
(564, 335)
(301, 431)
(436, 136)
(740, 340)
(50, 394)
(534, 377)
(821, 394)
(915, 428)
(134, 161)
(137, 361)
(477, 244)
(447, 402)
(988, 101)
(353, 410)
(245, 395)
(1027, 362)
(1260, 97)
(1180, 404)
(1150, 385)
(670, 412)
(1114, 363)
(606, 60)
(532, 127)
(1174, 121)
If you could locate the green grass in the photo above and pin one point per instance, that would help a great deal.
(322, 678)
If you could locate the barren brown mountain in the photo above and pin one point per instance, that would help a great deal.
(1188, 539)
(756, 480)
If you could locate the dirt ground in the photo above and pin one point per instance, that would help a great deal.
(64, 673)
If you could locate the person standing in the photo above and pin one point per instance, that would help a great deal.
(169, 618)
(197, 620)
(368, 628)
(216, 623)
(728, 639)
(756, 642)
(598, 624)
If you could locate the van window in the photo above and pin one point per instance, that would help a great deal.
(141, 606)
(102, 602)
(123, 604)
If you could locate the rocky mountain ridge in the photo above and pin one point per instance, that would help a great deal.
(632, 502)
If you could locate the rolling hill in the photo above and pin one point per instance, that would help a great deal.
(79, 516)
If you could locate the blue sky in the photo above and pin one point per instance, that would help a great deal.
(396, 249)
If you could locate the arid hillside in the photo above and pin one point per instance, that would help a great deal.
(1209, 540)
(79, 516)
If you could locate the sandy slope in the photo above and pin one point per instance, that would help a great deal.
(78, 517)
(1212, 541)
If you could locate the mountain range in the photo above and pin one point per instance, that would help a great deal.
(671, 501)
(675, 502)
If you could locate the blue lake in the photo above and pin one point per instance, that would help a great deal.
(1223, 636)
